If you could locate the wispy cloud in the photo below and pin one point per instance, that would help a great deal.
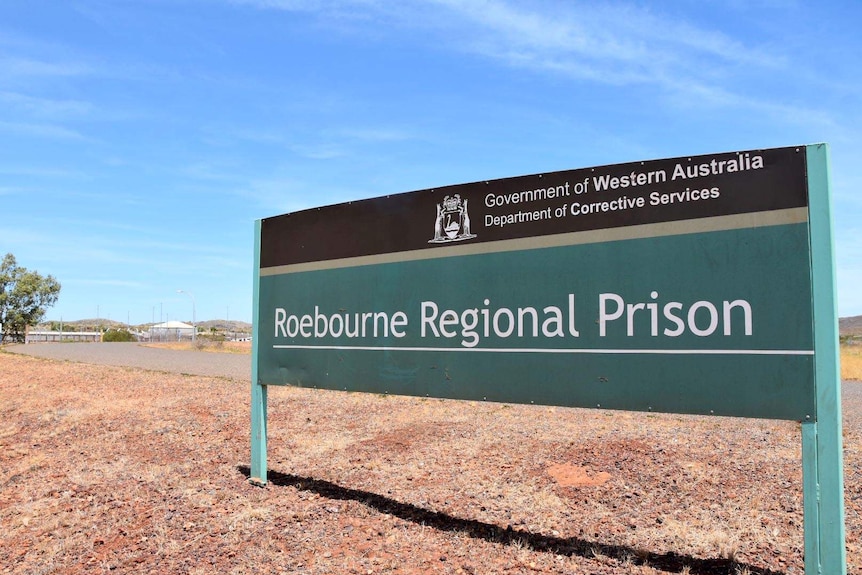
(68, 249)
(319, 151)
(39, 130)
(607, 43)
(259, 136)
(41, 172)
(15, 66)
(341, 8)
(599, 41)
(280, 194)
(107, 282)
(617, 44)
(91, 227)
(376, 134)
(45, 107)
(690, 94)
(208, 171)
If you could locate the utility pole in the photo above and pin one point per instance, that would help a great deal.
(194, 327)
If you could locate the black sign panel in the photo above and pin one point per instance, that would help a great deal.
(542, 204)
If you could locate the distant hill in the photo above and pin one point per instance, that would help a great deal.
(224, 325)
(850, 325)
(82, 325)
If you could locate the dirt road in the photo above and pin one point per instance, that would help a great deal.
(234, 366)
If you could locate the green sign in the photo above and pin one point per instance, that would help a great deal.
(685, 285)
(676, 285)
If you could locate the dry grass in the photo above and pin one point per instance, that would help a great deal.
(109, 470)
(243, 347)
(851, 362)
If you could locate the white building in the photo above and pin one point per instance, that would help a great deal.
(171, 331)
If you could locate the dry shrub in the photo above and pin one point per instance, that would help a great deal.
(204, 344)
(851, 362)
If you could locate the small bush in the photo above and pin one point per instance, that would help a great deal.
(202, 343)
(213, 336)
(115, 335)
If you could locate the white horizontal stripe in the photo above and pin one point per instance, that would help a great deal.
(604, 235)
(552, 350)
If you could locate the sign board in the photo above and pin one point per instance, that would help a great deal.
(677, 285)
(681, 285)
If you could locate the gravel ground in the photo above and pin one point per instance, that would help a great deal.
(234, 366)
(851, 400)
(119, 470)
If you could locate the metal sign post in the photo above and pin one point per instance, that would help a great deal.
(258, 387)
(822, 457)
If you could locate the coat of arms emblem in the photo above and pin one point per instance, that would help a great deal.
(453, 221)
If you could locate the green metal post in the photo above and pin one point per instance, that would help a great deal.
(824, 528)
(811, 498)
(258, 390)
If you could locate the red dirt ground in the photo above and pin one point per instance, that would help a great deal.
(114, 470)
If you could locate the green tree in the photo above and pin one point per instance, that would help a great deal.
(114, 335)
(24, 297)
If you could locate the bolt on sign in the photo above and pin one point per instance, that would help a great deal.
(700, 285)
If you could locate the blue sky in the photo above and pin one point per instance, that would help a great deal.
(140, 139)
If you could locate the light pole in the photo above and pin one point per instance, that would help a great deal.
(194, 328)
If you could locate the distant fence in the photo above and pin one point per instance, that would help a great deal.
(166, 334)
(60, 336)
